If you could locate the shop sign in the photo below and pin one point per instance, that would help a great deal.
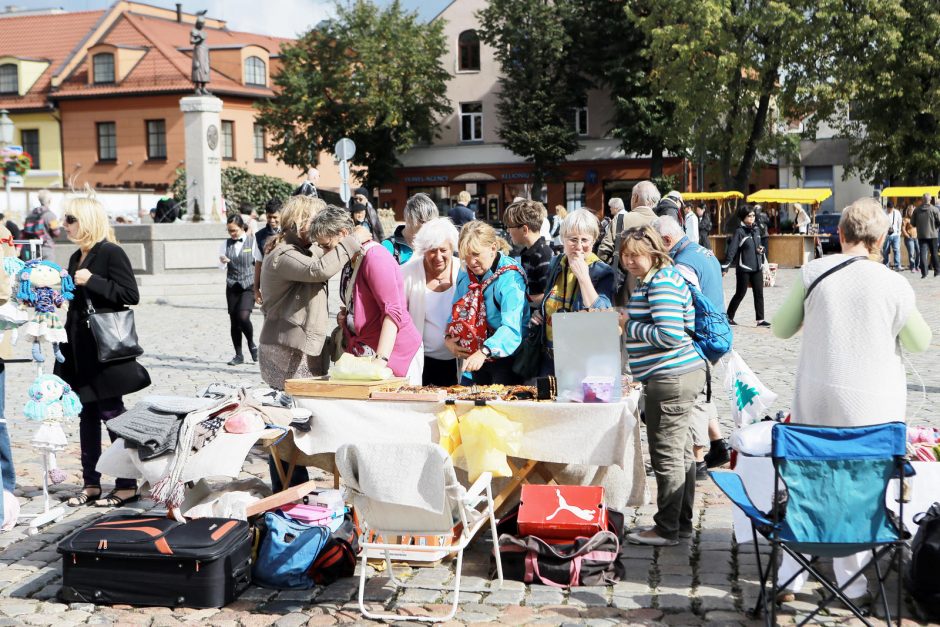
(516, 176)
(437, 178)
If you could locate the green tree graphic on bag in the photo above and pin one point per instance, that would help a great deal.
(744, 393)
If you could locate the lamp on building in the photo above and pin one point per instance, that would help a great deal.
(6, 139)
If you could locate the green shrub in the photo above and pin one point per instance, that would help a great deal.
(238, 186)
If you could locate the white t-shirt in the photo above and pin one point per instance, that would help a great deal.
(437, 311)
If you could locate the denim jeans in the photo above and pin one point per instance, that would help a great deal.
(913, 252)
(892, 243)
(6, 454)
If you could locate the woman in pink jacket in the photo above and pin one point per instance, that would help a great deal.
(374, 318)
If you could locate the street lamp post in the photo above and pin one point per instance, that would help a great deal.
(6, 139)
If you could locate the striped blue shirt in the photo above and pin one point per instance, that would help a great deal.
(660, 310)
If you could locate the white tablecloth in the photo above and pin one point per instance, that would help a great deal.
(757, 474)
(592, 435)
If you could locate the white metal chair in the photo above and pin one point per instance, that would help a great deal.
(468, 508)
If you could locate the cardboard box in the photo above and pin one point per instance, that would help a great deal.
(562, 512)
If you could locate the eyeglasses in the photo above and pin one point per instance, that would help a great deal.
(70, 219)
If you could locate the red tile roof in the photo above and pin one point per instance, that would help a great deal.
(48, 37)
(166, 65)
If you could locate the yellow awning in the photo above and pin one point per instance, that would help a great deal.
(796, 194)
(711, 195)
(910, 192)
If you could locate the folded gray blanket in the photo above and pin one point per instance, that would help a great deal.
(151, 432)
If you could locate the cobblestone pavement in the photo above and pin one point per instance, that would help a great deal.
(706, 580)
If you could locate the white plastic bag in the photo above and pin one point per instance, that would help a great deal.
(750, 399)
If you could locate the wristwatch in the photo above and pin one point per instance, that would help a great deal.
(486, 351)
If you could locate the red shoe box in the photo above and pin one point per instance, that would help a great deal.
(562, 512)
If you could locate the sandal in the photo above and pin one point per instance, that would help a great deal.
(111, 499)
(83, 498)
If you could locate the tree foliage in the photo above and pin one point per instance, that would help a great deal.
(887, 59)
(540, 83)
(373, 75)
(239, 186)
(732, 70)
(612, 51)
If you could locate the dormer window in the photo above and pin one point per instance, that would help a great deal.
(468, 51)
(9, 83)
(255, 72)
(102, 68)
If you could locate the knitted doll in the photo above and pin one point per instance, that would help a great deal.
(52, 402)
(13, 315)
(44, 286)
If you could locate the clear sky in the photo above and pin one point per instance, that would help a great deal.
(284, 18)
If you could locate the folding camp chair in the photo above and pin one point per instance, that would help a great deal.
(464, 514)
(830, 486)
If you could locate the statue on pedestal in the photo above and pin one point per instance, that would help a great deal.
(197, 37)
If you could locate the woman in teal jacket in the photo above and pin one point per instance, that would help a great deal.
(507, 310)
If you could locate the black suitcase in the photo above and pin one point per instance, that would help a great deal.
(150, 560)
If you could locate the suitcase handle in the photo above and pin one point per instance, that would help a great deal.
(149, 538)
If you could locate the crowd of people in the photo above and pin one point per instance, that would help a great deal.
(400, 297)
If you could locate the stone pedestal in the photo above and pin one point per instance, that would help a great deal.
(203, 132)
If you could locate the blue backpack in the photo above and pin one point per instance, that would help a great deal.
(712, 337)
(287, 550)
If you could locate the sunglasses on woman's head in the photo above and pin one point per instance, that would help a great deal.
(70, 219)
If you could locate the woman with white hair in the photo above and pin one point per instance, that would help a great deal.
(418, 210)
(430, 278)
(856, 314)
(577, 279)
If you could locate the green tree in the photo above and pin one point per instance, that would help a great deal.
(612, 51)
(540, 85)
(887, 59)
(373, 75)
(238, 186)
(733, 69)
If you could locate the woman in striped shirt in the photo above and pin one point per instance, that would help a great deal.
(662, 357)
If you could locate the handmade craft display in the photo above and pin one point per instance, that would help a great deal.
(13, 314)
(44, 286)
(51, 403)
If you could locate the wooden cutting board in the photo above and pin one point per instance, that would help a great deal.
(324, 387)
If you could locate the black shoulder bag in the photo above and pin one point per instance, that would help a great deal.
(834, 268)
(115, 334)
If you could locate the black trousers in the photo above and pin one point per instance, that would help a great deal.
(439, 372)
(89, 432)
(928, 246)
(756, 281)
(240, 300)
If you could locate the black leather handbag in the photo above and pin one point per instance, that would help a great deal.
(115, 334)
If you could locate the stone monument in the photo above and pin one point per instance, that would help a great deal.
(201, 126)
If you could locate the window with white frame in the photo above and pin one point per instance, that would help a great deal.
(9, 83)
(471, 121)
(581, 121)
(259, 143)
(228, 139)
(102, 68)
(574, 195)
(255, 72)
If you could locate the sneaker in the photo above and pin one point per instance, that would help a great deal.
(683, 533)
(237, 360)
(763, 323)
(650, 538)
(701, 470)
(254, 353)
(718, 454)
(732, 322)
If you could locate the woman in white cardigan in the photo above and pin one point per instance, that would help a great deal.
(430, 277)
